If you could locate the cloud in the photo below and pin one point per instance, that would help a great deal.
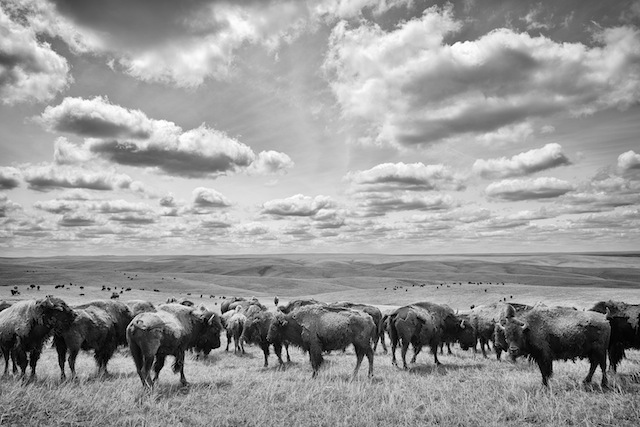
(408, 177)
(410, 86)
(76, 220)
(209, 198)
(7, 205)
(297, 205)
(629, 161)
(9, 177)
(381, 203)
(528, 189)
(48, 177)
(532, 161)
(29, 69)
(129, 137)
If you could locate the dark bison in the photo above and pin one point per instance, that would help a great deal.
(483, 318)
(372, 311)
(4, 305)
(255, 331)
(26, 325)
(171, 330)
(454, 328)
(500, 344)
(625, 328)
(417, 326)
(317, 328)
(99, 326)
(546, 334)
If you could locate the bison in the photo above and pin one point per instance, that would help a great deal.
(297, 303)
(499, 341)
(99, 326)
(171, 330)
(372, 311)
(546, 334)
(26, 325)
(625, 328)
(483, 318)
(417, 326)
(255, 331)
(138, 306)
(233, 322)
(317, 329)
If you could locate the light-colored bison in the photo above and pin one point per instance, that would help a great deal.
(546, 334)
(170, 331)
(233, 321)
(138, 306)
(99, 326)
(26, 325)
(317, 329)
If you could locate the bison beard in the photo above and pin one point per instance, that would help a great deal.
(172, 330)
(547, 334)
(99, 326)
(317, 329)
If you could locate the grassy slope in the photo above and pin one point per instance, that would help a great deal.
(232, 390)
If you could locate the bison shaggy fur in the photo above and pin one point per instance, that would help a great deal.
(255, 331)
(171, 330)
(26, 325)
(546, 334)
(99, 326)
(625, 328)
(317, 329)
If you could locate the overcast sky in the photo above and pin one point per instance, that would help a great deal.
(388, 126)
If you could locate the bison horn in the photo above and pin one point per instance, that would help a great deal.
(608, 313)
(500, 325)
(524, 326)
(462, 325)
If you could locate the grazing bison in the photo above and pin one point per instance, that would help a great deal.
(171, 330)
(99, 326)
(499, 340)
(255, 331)
(26, 325)
(546, 334)
(233, 322)
(316, 329)
(372, 311)
(138, 306)
(417, 326)
(625, 328)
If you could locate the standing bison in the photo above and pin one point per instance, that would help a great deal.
(499, 341)
(26, 325)
(546, 334)
(483, 318)
(317, 329)
(99, 326)
(372, 311)
(255, 331)
(171, 330)
(233, 321)
(625, 328)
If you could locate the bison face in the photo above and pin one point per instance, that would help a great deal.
(515, 332)
(56, 314)
(209, 338)
(466, 336)
(275, 330)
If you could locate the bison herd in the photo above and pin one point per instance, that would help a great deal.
(151, 333)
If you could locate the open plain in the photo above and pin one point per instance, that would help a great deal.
(232, 389)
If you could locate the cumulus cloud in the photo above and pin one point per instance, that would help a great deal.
(9, 177)
(48, 177)
(536, 160)
(409, 177)
(528, 189)
(381, 203)
(298, 205)
(7, 205)
(629, 161)
(129, 137)
(209, 198)
(29, 69)
(76, 220)
(409, 86)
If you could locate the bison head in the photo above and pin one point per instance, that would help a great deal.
(515, 335)
(275, 329)
(56, 314)
(466, 335)
(209, 337)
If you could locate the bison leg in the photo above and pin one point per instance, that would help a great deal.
(158, 365)
(73, 354)
(403, 353)
(546, 370)
(5, 353)
(141, 362)
(483, 342)
(277, 349)
(286, 349)
(61, 349)
(595, 361)
(416, 350)
(315, 357)
(229, 336)
(34, 356)
(178, 366)
(434, 351)
(498, 352)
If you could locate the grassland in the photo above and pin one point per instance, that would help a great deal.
(234, 390)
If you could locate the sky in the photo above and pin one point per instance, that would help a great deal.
(207, 127)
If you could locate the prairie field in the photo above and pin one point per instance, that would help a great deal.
(230, 389)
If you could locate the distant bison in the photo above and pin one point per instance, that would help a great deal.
(256, 328)
(171, 330)
(317, 329)
(99, 326)
(26, 325)
(182, 301)
(546, 334)
(625, 328)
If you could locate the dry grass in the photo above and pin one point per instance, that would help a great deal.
(232, 390)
